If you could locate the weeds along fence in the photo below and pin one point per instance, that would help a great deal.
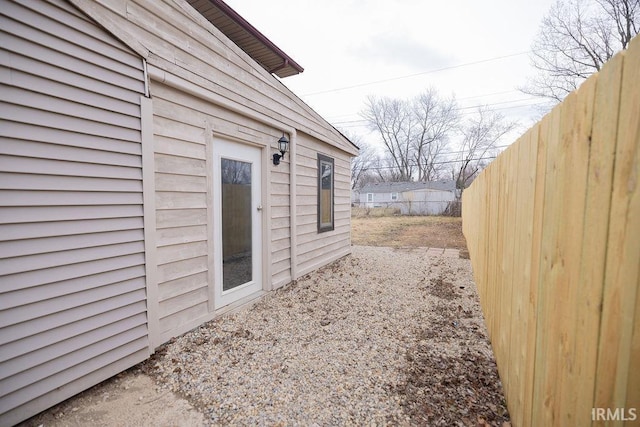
(417, 208)
(553, 230)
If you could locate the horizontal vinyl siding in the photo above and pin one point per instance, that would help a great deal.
(181, 216)
(280, 246)
(183, 219)
(176, 38)
(73, 297)
(316, 249)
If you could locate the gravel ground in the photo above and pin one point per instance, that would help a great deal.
(383, 336)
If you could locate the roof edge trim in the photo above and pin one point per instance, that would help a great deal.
(286, 59)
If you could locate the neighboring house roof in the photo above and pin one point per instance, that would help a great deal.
(401, 187)
(247, 37)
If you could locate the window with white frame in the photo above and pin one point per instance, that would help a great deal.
(394, 197)
(325, 193)
(369, 197)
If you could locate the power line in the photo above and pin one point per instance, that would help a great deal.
(415, 165)
(466, 151)
(457, 99)
(437, 70)
(487, 94)
(363, 122)
(497, 103)
(533, 104)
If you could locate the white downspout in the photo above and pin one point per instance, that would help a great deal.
(293, 220)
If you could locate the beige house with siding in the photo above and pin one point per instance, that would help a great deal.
(139, 195)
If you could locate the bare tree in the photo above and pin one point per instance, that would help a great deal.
(392, 119)
(235, 172)
(383, 170)
(576, 38)
(361, 166)
(414, 132)
(435, 119)
(481, 134)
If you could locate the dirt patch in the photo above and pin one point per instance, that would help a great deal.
(408, 231)
(442, 289)
(451, 375)
(444, 390)
(130, 398)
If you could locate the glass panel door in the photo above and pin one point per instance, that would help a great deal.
(236, 223)
(237, 219)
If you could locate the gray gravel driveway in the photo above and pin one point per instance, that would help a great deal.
(384, 336)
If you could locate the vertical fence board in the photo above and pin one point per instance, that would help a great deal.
(577, 134)
(530, 283)
(546, 344)
(499, 284)
(553, 229)
(487, 250)
(521, 276)
(492, 250)
(615, 367)
(509, 239)
(596, 227)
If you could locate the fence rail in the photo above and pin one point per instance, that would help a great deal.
(553, 230)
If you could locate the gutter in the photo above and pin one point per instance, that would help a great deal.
(285, 64)
(287, 60)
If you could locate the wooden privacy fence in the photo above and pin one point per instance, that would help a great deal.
(553, 230)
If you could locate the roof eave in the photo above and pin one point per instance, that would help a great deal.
(288, 67)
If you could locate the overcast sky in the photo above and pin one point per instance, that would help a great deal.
(477, 50)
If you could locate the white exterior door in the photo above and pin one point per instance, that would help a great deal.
(237, 221)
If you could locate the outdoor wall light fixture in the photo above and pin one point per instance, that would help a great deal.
(283, 144)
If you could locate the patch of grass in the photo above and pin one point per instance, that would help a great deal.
(408, 231)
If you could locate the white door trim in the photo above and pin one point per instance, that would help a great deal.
(226, 149)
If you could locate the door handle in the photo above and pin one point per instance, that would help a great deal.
(259, 208)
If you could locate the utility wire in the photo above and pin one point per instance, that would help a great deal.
(487, 94)
(457, 99)
(467, 108)
(466, 151)
(415, 165)
(498, 103)
(436, 70)
(363, 122)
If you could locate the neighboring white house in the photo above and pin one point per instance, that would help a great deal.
(411, 198)
(139, 195)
